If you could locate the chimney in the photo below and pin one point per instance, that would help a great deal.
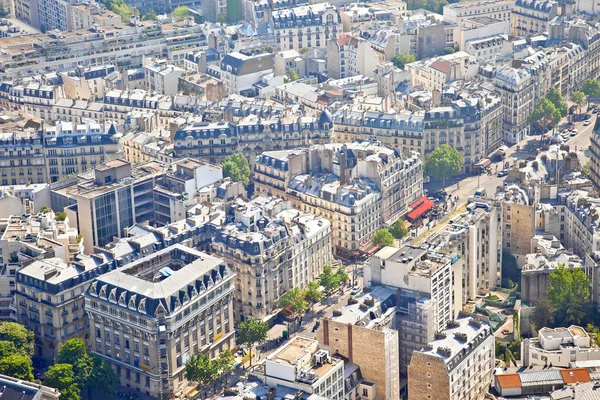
(271, 393)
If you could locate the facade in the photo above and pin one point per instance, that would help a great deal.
(516, 87)
(161, 77)
(272, 248)
(433, 73)
(239, 72)
(350, 55)
(150, 316)
(558, 347)
(86, 83)
(49, 300)
(532, 17)
(458, 364)
(498, 9)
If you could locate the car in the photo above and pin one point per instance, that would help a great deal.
(316, 326)
(571, 127)
(502, 173)
(574, 132)
(355, 290)
(441, 194)
(587, 122)
(480, 192)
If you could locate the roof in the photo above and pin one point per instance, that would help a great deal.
(507, 381)
(442, 66)
(575, 375)
(420, 207)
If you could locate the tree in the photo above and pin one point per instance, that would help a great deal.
(74, 352)
(225, 363)
(543, 313)
(60, 216)
(444, 162)
(7, 348)
(268, 49)
(150, 16)
(342, 276)
(585, 170)
(400, 60)
(119, 7)
(450, 50)
(579, 99)
(201, 369)
(293, 75)
(544, 113)
(18, 366)
(293, 299)
(237, 168)
(591, 88)
(62, 377)
(20, 336)
(436, 6)
(180, 13)
(383, 237)
(313, 294)
(555, 97)
(398, 229)
(568, 292)
(328, 279)
(251, 332)
(510, 270)
(303, 50)
(104, 378)
(45, 209)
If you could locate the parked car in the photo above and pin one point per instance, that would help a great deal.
(502, 173)
(574, 132)
(587, 122)
(355, 290)
(316, 326)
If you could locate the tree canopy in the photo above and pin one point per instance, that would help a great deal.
(544, 113)
(124, 10)
(555, 97)
(591, 87)
(74, 352)
(436, 6)
(383, 237)
(328, 279)
(200, 368)
(543, 314)
(17, 365)
(62, 377)
(398, 229)
(569, 293)
(251, 332)
(294, 298)
(180, 13)
(444, 162)
(400, 60)
(237, 168)
(150, 16)
(313, 293)
(342, 276)
(578, 98)
(21, 337)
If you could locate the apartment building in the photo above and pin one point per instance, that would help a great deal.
(148, 317)
(23, 199)
(272, 248)
(13, 387)
(305, 26)
(595, 156)
(530, 17)
(519, 221)
(86, 83)
(558, 347)
(458, 364)
(161, 77)
(49, 300)
(300, 364)
(535, 273)
(364, 332)
(240, 72)
(497, 9)
(251, 135)
(516, 87)
(434, 73)
(350, 55)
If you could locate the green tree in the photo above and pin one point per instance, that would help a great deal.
(252, 332)
(444, 162)
(383, 237)
(293, 75)
(20, 336)
(237, 168)
(579, 99)
(60, 216)
(585, 170)
(225, 363)
(45, 209)
(18, 366)
(104, 378)
(510, 270)
(342, 276)
(235, 11)
(313, 294)
(555, 97)
(150, 16)
(544, 113)
(436, 6)
(201, 369)
(328, 279)
(62, 377)
(591, 88)
(268, 49)
(74, 352)
(450, 50)
(180, 13)
(303, 50)
(7, 348)
(398, 229)
(400, 60)
(119, 7)
(543, 313)
(294, 299)
(568, 292)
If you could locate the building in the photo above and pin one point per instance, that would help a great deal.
(536, 271)
(530, 17)
(161, 77)
(595, 156)
(528, 383)
(23, 199)
(350, 55)
(49, 300)
(433, 73)
(272, 248)
(517, 92)
(458, 364)
(498, 9)
(148, 317)
(558, 347)
(240, 72)
(286, 61)
(13, 388)
(86, 83)
(305, 26)
(301, 365)
(364, 332)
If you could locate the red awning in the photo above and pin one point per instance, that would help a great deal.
(420, 207)
(483, 163)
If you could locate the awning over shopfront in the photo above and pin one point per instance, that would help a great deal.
(419, 208)
(483, 163)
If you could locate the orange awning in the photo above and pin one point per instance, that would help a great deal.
(420, 207)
